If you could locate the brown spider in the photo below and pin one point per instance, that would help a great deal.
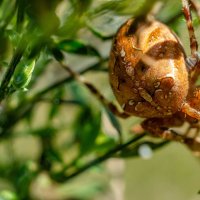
(152, 77)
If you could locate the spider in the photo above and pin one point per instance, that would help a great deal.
(151, 76)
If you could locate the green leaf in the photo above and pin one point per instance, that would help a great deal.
(80, 5)
(53, 155)
(125, 7)
(114, 121)
(77, 47)
(24, 175)
(104, 143)
(8, 195)
(79, 93)
(23, 73)
(87, 128)
(58, 55)
(105, 24)
(45, 132)
(99, 33)
(40, 66)
(54, 109)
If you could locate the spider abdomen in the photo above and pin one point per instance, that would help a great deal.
(147, 69)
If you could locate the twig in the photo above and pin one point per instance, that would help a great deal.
(106, 103)
(67, 79)
(8, 75)
(58, 101)
(62, 178)
(28, 104)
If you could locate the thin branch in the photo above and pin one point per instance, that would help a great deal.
(61, 177)
(58, 101)
(95, 92)
(28, 104)
(67, 79)
(8, 75)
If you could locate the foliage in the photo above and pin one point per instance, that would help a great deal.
(40, 100)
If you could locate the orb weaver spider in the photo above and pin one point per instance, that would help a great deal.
(152, 77)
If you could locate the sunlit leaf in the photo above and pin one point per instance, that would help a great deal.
(104, 143)
(77, 47)
(8, 195)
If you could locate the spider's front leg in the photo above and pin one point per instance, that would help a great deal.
(158, 127)
(192, 62)
(192, 105)
(95, 92)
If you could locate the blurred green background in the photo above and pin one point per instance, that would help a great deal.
(53, 130)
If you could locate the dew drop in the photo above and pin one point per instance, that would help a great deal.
(122, 53)
(131, 102)
(145, 151)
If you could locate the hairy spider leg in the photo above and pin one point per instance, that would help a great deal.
(95, 92)
(158, 127)
(193, 40)
(189, 110)
(195, 72)
(192, 62)
(196, 133)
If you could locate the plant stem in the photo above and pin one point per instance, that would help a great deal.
(27, 105)
(65, 80)
(8, 75)
(62, 177)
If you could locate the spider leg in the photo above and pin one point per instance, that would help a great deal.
(192, 62)
(193, 40)
(197, 132)
(191, 107)
(192, 126)
(193, 142)
(157, 127)
(189, 110)
(95, 91)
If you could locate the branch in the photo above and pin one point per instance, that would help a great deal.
(8, 75)
(61, 177)
(28, 104)
(68, 79)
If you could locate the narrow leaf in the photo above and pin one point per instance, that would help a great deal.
(77, 47)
